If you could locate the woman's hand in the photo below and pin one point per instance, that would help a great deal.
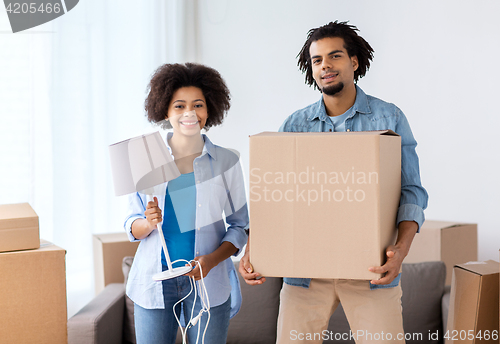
(153, 214)
(207, 263)
(141, 228)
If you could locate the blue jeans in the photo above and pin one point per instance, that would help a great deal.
(159, 325)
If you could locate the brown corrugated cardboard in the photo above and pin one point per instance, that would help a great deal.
(18, 227)
(109, 250)
(323, 205)
(451, 242)
(473, 313)
(33, 296)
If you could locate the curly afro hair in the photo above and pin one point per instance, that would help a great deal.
(168, 78)
(353, 43)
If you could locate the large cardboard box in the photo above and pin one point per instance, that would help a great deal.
(323, 205)
(473, 313)
(109, 250)
(451, 242)
(18, 227)
(33, 296)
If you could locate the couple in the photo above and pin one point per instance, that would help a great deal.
(194, 97)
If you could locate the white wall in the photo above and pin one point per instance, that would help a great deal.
(436, 60)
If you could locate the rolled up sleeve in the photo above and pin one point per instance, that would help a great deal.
(414, 197)
(135, 211)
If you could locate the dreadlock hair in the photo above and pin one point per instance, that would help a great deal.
(353, 43)
(168, 78)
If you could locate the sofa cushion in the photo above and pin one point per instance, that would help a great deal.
(100, 320)
(256, 321)
(423, 289)
(128, 320)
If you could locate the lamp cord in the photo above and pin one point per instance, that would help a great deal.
(205, 305)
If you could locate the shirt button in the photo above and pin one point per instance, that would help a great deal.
(198, 228)
(199, 205)
(198, 252)
(348, 130)
(198, 182)
(330, 129)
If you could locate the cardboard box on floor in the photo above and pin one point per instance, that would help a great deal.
(323, 205)
(33, 296)
(18, 227)
(451, 242)
(473, 313)
(109, 251)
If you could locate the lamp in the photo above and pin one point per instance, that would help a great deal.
(138, 165)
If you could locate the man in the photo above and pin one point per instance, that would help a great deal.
(333, 58)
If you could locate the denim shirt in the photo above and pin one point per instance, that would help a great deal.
(219, 188)
(370, 113)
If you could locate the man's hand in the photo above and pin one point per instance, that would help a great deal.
(246, 270)
(396, 253)
(390, 270)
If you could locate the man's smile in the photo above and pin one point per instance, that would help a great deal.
(329, 76)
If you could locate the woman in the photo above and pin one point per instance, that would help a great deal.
(191, 97)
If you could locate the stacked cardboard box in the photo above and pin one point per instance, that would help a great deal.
(109, 251)
(33, 296)
(33, 281)
(451, 242)
(18, 227)
(323, 205)
(473, 315)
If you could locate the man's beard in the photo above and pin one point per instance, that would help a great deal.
(334, 89)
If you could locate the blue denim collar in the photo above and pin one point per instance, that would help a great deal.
(360, 106)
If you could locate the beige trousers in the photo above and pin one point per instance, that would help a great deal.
(375, 316)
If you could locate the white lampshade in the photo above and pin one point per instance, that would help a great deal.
(141, 163)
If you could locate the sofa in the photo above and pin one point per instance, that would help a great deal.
(108, 318)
